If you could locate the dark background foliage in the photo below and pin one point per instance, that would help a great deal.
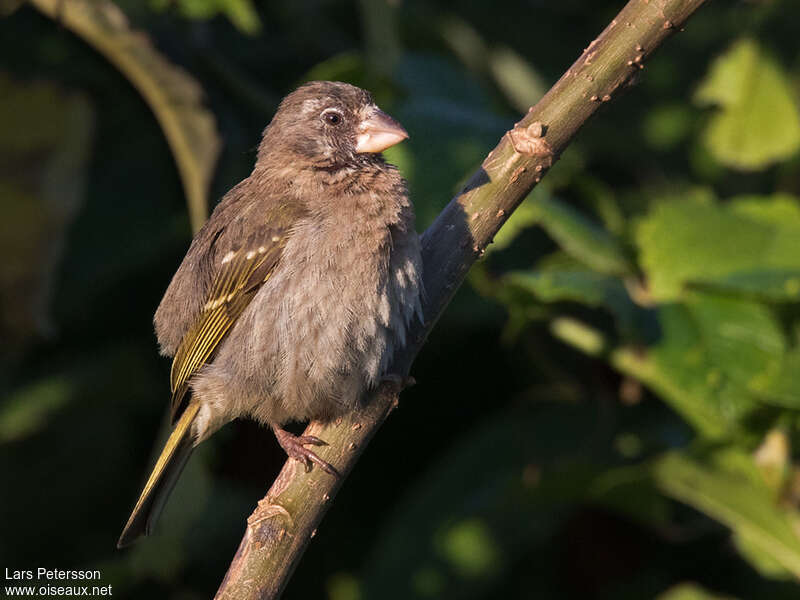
(609, 407)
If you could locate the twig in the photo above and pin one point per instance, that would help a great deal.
(286, 519)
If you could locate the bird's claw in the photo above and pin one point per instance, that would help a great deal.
(310, 440)
(295, 448)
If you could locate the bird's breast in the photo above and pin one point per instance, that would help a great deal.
(324, 327)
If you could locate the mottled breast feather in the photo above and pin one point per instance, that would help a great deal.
(323, 328)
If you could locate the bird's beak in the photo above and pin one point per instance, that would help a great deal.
(378, 132)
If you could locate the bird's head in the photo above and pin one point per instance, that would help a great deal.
(330, 124)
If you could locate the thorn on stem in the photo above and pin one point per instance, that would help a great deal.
(515, 175)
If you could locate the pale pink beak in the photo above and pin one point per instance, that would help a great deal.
(378, 132)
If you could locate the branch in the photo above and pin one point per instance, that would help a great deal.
(287, 517)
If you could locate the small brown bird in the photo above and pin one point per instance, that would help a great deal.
(297, 290)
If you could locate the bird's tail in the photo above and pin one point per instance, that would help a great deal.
(165, 473)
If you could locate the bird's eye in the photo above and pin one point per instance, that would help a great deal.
(332, 117)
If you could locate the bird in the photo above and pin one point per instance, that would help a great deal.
(298, 289)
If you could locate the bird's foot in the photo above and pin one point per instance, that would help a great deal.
(295, 447)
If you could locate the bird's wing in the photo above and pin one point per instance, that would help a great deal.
(240, 272)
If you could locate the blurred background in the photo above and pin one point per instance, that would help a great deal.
(609, 407)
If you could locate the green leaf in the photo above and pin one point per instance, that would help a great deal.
(581, 237)
(735, 499)
(746, 346)
(27, 410)
(764, 563)
(702, 242)
(343, 586)
(175, 97)
(677, 368)
(772, 285)
(690, 591)
(757, 122)
(579, 335)
(630, 491)
(469, 547)
(666, 126)
(560, 278)
(241, 13)
(742, 338)
(778, 209)
(715, 361)
(783, 387)
(586, 287)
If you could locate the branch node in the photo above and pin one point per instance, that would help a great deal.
(267, 510)
(530, 141)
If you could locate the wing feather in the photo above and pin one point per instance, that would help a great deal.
(242, 272)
